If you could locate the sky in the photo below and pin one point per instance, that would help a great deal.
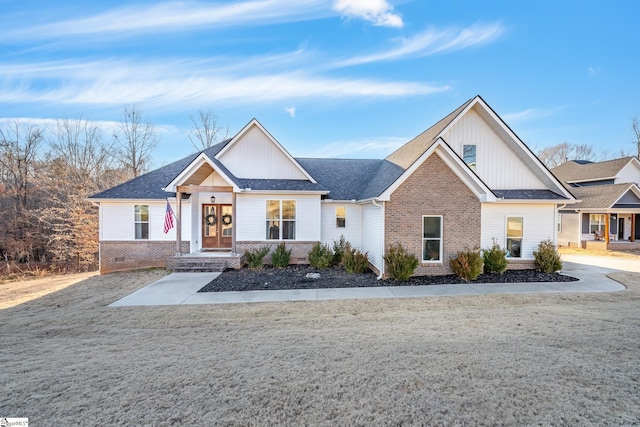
(336, 78)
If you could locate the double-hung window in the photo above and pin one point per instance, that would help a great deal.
(141, 222)
(596, 222)
(515, 233)
(341, 217)
(432, 238)
(281, 219)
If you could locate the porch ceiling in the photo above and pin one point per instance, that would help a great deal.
(199, 175)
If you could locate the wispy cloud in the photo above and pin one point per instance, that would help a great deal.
(532, 113)
(177, 16)
(366, 148)
(431, 41)
(291, 111)
(198, 82)
(379, 12)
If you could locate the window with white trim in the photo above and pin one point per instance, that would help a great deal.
(596, 222)
(432, 238)
(515, 234)
(141, 222)
(341, 217)
(469, 155)
(281, 219)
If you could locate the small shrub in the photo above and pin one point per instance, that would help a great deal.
(467, 264)
(547, 257)
(255, 257)
(281, 256)
(495, 258)
(320, 256)
(355, 261)
(400, 263)
(339, 247)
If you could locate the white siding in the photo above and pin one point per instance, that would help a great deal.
(496, 163)
(539, 224)
(373, 234)
(629, 173)
(255, 156)
(351, 231)
(570, 229)
(251, 213)
(117, 220)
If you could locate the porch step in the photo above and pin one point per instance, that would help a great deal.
(204, 264)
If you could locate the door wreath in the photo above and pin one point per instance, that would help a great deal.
(210, 219)
(227, 219)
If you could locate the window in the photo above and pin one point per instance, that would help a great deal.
(469, 155)
(141, 221)
(341, 217)
(281, 219)
(432, 238)
(514, 236)
(596, 222)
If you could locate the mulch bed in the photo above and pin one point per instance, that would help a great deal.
(295, 277)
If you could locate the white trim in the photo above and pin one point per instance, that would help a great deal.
(192, 167)
(343, 216)
(256, 123)
(506, 235)
(422, 240)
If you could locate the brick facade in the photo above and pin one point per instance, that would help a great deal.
(131, 255)
(299, 250)
(433, 189)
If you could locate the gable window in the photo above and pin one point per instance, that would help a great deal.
(341, 217)
(514, 236)
(281, 219)
(596, 223)
(432, 238)
(141, 221)
(469, 156)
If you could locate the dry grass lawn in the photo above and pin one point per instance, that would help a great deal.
(571, 359)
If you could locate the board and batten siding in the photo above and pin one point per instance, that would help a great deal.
(539, 224)
(256, 156)
(352, 229)
(373, 234)
(496, 163)
(117, 220)
(629, 173)
(251, 216)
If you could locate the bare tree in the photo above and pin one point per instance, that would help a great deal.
(135, 141)
(206, 132)
(19, 160)
(562, 153)
(635, 126)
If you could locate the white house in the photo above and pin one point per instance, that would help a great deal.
(466, 181)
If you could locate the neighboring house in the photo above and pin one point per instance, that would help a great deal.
(463, 183)
(609, 201)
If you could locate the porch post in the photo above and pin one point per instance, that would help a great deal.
(607, 218)
(235, 219)
(179, 223)
(632, 238)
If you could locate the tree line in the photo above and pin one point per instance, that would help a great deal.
(46, 175)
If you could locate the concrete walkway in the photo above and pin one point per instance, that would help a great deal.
(182, 288)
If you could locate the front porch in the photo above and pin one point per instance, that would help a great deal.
(205, 261)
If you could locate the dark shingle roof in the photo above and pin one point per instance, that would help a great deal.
(280, 185)
(352, 179)
(528, 195)
(600, 196)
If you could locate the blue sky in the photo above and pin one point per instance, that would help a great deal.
(343, 78)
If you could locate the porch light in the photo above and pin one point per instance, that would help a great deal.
(213, 199)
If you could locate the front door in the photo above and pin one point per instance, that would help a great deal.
(620, 228)
(217, 226)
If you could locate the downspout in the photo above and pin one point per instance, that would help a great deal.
(381, 275)
(555, 232)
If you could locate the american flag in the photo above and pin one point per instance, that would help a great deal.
(168, 219)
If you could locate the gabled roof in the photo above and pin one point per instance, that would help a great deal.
(575, 171)
(406, 155)
(602, 196)
(351, 179)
